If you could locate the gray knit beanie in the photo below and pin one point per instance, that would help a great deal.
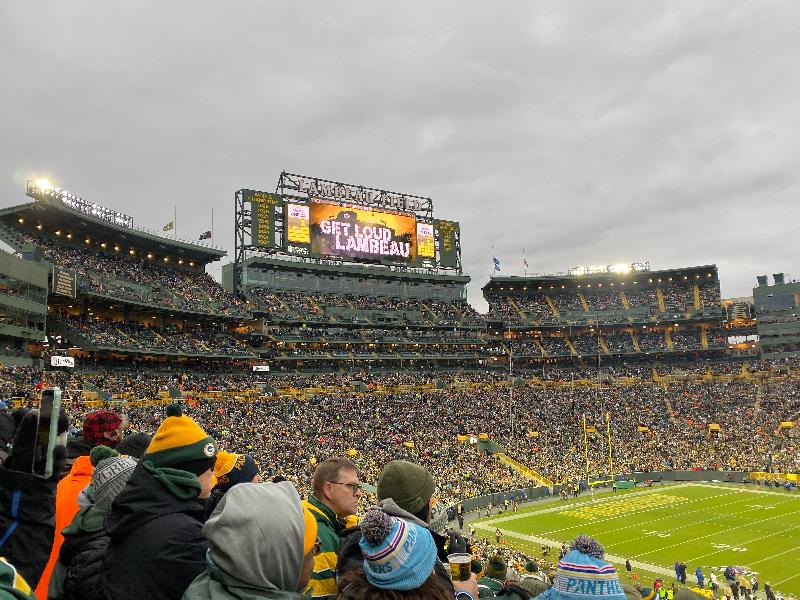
(108, 479)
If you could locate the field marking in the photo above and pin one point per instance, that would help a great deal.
(625, 506)
(683, 514)
(771, 556)
(560, 507)
(750, 491)
(763, 537)
(608, 557)
(716, 533)
(636, 512)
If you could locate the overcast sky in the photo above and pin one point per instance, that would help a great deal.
(589, 132)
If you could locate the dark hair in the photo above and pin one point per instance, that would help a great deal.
(328, 470)
(353, 585)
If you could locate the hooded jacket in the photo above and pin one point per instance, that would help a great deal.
(256, 545)
(156, 543)
(350, 556)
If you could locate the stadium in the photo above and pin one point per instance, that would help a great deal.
(632, 404)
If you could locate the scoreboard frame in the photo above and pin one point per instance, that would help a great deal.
(262, 224)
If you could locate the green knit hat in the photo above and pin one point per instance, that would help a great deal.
(180, 441)
(496, 567)
(409, 485)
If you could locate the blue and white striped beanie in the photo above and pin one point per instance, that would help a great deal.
(398, 555)
(583, 575)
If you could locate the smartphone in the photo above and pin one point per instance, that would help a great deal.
(46, 431)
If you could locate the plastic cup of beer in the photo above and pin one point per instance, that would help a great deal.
(460, 566)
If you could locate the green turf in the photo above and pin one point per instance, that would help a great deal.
(700, 524)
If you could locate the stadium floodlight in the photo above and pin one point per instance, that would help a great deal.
(20, 220)
(44, 185)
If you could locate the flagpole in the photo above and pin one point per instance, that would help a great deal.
(175, 220)
(212, 225)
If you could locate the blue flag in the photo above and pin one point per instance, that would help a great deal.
(496, 263)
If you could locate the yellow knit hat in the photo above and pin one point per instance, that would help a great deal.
(179, 440)
(310, 536)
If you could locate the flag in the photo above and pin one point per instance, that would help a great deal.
(525, 262)
(205, 235)
(169, 226)
(496, 263)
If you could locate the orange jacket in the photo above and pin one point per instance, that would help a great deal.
(67, 494)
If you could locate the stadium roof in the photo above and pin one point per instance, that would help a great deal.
(514, 281)
(53, 216)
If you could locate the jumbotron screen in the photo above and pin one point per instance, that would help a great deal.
(362, 233)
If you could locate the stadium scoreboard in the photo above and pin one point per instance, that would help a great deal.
(263, 207)
(326, 220)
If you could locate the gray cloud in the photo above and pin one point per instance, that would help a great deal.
(585, 132)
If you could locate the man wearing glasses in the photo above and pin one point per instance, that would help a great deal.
(336, 492)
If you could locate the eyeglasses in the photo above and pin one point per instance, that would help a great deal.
(354, 487)
(316, 547)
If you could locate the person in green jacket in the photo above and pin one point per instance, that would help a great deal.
(262, 544)
(336, 492)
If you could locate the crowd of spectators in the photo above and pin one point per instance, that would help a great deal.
(132, 335)
(142, 280)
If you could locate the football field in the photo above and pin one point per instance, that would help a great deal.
(710, 525)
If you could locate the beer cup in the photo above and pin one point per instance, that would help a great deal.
(460, 566)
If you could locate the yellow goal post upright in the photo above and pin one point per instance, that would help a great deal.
(590, 484)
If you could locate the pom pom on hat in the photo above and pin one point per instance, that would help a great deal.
(401, 554)
(376, 527)
(588, 545)
(180, 442)
(99, 453)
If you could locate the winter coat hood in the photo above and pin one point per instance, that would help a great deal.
(256, 535)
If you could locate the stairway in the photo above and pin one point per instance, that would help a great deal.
(696, 296)
(524, 470)
(660, 295)
(584, 303)
(668, 339)
(704, 339)
(603, 344)
(670, 409)
(314, 305)
(759, 398)
(541, 348)
(624, 299)
(433, 316)
(517, 308)
(571, 346)
(635, 341)
(552, 306)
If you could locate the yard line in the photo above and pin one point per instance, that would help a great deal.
(750, 491)
(787, 579)
(562, 507)
(771, 556)
(625, 515)
(673, 529)
(717, 533)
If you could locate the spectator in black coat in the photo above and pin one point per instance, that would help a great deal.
(157, 546)
(28, 501)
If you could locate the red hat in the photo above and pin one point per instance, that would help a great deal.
(99, 422)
